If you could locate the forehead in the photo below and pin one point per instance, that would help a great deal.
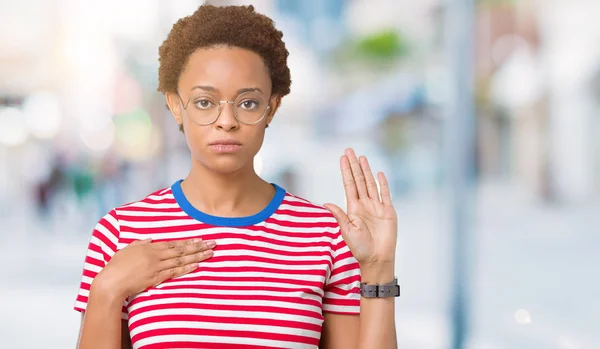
(226, 69)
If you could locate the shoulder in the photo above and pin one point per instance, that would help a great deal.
(111, 225)
(300, 208)
(157, 200)
(295, 202)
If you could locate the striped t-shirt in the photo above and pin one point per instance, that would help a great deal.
(271, 278)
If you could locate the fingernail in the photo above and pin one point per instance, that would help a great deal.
(208, 253)
(196, 240)
(211, 244)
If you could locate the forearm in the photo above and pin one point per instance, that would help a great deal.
(377, 315)
(102, 321)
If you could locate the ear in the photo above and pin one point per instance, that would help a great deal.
(175, 106)
(274, 104)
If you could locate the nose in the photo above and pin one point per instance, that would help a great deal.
(227, 120)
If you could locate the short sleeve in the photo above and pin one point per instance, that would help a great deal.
(101, 248)
(342, 288)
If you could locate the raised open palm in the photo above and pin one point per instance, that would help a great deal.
(370, 225)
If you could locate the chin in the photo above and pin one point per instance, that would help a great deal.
(224, 164)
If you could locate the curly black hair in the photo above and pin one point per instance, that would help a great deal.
(235, 26)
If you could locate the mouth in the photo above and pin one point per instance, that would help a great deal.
(225, 146)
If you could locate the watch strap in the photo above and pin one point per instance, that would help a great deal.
(391, 289)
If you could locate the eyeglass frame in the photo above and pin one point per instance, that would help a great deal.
(184, 105)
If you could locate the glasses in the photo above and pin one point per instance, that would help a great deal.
(248, 108)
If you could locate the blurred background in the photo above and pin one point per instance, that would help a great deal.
(484, 115)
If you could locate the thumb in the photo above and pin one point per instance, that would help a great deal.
(339, 214)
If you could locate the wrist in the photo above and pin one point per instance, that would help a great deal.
(104, 287)
(379, 273)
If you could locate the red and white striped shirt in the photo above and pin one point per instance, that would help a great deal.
(271, 278)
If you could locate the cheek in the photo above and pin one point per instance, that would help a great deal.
(193, 137)
(255, 142)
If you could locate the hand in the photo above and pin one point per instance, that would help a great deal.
(144, 264)
(370, 227)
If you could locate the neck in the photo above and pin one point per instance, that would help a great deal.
(237, 194)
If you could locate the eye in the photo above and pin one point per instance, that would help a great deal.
(249, 104)
(203, 103)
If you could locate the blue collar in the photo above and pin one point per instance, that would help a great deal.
(187, 207)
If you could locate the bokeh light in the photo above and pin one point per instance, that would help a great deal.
(134, 135)
(523, 317)
(13, 130)
(98, 139)
(43, 115)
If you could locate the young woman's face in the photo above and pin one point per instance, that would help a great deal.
(224, 74)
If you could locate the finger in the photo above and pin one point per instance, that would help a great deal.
(357, 173)
(386, 197)
(348, 179)
(165, 245)
(170, 249)
(174, 272)
(339, 214)
(184, 249)
(369, 179)
(181, 261)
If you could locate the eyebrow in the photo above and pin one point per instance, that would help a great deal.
(215, 90)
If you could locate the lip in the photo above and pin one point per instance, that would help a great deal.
(225, 146)
(225, 142)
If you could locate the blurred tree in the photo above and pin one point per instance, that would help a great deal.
(384, 45)
(377, 50)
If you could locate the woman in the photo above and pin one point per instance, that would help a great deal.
(223, 259)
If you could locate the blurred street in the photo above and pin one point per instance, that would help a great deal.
(501, 97)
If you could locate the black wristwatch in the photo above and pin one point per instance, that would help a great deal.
(391, 289)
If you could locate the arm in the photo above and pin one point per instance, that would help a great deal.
(369, 228)
(125, 338)
(130, 271)
(99, 329)
(339, 331)
(377, 315)
(103, 312)
(373, 328)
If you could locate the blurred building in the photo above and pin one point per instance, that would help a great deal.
(83, 129)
